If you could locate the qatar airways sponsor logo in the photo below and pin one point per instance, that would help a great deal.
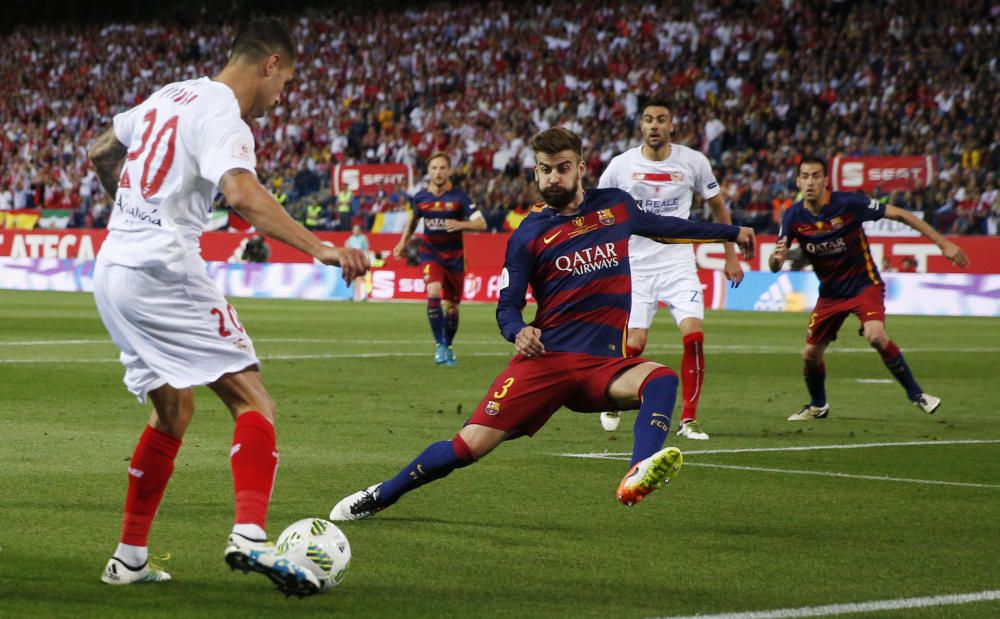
(435, 223)
(588, 260)
(826, 248)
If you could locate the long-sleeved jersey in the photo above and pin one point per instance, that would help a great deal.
(578, 269)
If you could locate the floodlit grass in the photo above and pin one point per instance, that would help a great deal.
(526, 532)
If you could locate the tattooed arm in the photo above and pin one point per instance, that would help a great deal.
(108, 157)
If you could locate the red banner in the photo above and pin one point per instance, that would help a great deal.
(485, 252)
(369, 178)
(886, 173)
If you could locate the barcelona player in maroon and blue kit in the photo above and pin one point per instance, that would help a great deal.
(573, 252)
(827, 226)
(446, 212)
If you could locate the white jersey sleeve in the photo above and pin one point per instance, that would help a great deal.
(124, 125)
(609, 177)
(706, 184)
(226, 143)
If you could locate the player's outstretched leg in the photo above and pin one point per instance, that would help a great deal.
(435, 462)
(149, 471)
(652, 465)
(692, 378)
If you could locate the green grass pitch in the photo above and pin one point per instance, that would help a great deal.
(527, 532)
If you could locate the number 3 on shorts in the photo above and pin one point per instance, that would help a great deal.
(503, 389)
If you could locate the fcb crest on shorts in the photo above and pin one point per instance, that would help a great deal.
(605, 216)
(492, 407)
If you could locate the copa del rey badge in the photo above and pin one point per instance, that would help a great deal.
(605, 216)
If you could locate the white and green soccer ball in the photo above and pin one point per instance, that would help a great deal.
(319, 546)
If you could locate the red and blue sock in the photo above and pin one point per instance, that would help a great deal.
(435, 462)
(436, 317)
(451, 325)
(893, 359)
(658, 394)
(815, 377)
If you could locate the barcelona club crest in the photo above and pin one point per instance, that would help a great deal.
(492, 407)
(605, 217)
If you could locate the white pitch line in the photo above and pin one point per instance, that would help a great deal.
(858, 607)
(875, 381)
(728, 348)
(763, 469)
(365, 355)
(692, 452)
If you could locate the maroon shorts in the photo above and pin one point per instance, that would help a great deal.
(452, 282)
(829, 314)
(531, 389)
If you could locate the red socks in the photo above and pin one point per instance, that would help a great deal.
(254, 459)
(148, 473)
(692, 373)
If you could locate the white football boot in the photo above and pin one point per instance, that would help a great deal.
(927, 403)
(610, 420)
(690, 429)
(116, 572)
(358, 506)
(811, 412)
(288, 576)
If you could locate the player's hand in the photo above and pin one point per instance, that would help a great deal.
(733, 271)
(399, 250)
(780, 253)
(955, 253)
(352, 262)
(528, 342)
(747, 242)
(453, 225)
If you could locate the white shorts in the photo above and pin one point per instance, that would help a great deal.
(680, 290)
(172, 328)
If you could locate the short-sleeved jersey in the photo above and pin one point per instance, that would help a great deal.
(439, 245)
(663, 188)
(181, 141)
(578, 269)
(834, 242)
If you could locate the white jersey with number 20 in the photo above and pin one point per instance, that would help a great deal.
(181, 141)
(665, 188)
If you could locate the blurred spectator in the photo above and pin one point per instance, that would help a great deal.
(476, 80)
(256, 250)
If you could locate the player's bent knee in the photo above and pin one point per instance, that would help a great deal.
(479, 440)
(659, 372)
(462, 450)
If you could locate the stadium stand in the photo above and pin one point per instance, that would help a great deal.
(753, 82)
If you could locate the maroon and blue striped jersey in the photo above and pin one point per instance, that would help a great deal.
(578, 269)
(439, 245)
(835, 243)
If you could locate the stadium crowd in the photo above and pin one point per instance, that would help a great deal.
(755, 83)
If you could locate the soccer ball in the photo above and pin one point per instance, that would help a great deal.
(319, 546)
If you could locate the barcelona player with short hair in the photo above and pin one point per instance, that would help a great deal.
(573, 252)
(446, 211)
(827, 225)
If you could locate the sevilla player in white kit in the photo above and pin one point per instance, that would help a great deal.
(163, 161)
(662, 177)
